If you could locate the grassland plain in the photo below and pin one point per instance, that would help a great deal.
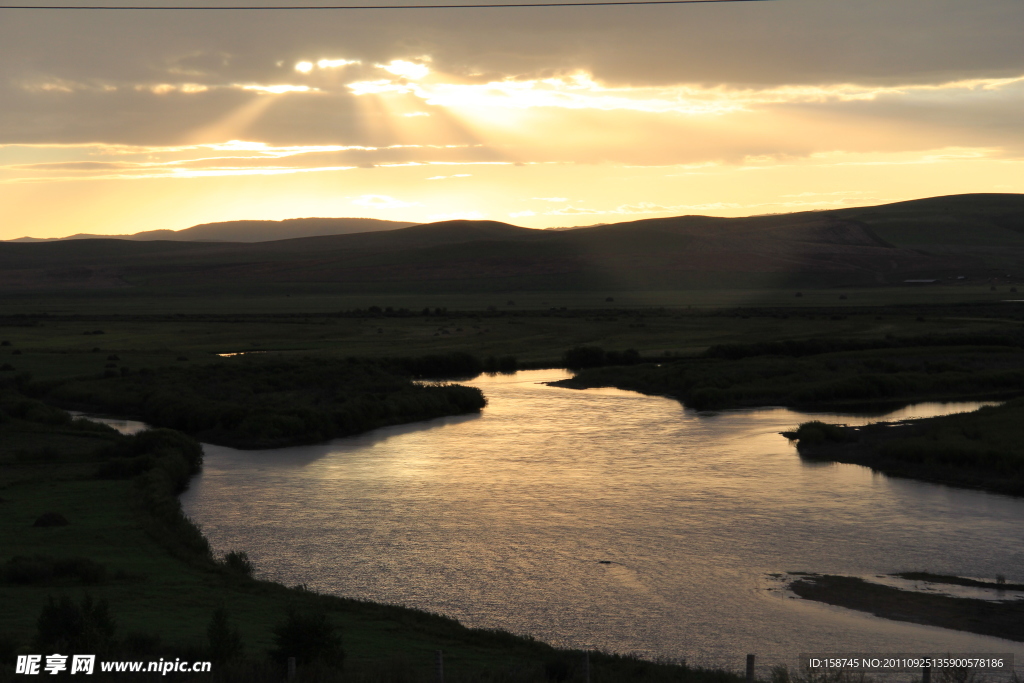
(286, 298)
(79, 343)
(154, 588)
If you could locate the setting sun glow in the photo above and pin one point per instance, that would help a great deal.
(669, 126)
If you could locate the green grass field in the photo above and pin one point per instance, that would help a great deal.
(58, 345)
(286, 299)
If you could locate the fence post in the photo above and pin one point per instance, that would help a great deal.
(750, 668)
(926, 675)
(291, 668)
(439, 665)
(586, 666)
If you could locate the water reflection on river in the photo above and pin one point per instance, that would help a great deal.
(503, 520)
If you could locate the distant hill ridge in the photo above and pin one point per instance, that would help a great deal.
(248, 231)
(978, 235)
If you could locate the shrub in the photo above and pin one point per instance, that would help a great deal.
(557, 670)
(51, 519)
(63, 626)
(816, 432)
(9, 646)
(238, 561)
(309, 637)
(581, 357)
(224, 639)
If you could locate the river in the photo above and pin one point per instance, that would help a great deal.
(607, 519)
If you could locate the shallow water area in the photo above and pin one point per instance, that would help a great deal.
(608, 519)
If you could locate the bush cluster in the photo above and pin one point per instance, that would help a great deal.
(272, 403)
(581, 357)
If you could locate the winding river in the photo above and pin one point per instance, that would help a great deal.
(607, 519)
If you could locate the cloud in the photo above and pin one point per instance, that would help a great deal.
(232, 157)
(702, 91)
(277, 89)
(336, 63)
(405, 69)
(84, 166)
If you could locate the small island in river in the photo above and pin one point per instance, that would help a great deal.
(999, 618)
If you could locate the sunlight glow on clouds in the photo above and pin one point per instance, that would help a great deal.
(336, 63)
(582, 91)
(307, 67)
(164, 88)
(410, 70)
(240, 157)
(278, 89)
(611, 115)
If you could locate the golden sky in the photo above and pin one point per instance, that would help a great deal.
(117, 122)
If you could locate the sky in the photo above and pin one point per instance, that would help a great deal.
(114, 122)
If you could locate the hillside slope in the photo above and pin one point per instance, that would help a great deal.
(248, 231)
(942, 237)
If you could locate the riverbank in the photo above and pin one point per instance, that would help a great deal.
(981, 450)
(116, 536)
(990, 618)
(829, 374)
(272, 402)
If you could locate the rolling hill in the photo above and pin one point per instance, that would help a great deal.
(941, 237)
(248, 231)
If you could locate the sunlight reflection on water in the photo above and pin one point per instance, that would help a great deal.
(502, 520)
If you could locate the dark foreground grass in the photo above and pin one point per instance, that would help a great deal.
(782, 674)
(122, 542)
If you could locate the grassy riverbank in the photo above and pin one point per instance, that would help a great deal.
(983, 449)
(839, 374)
(118, 537)
(273, 402)
(989, 618)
